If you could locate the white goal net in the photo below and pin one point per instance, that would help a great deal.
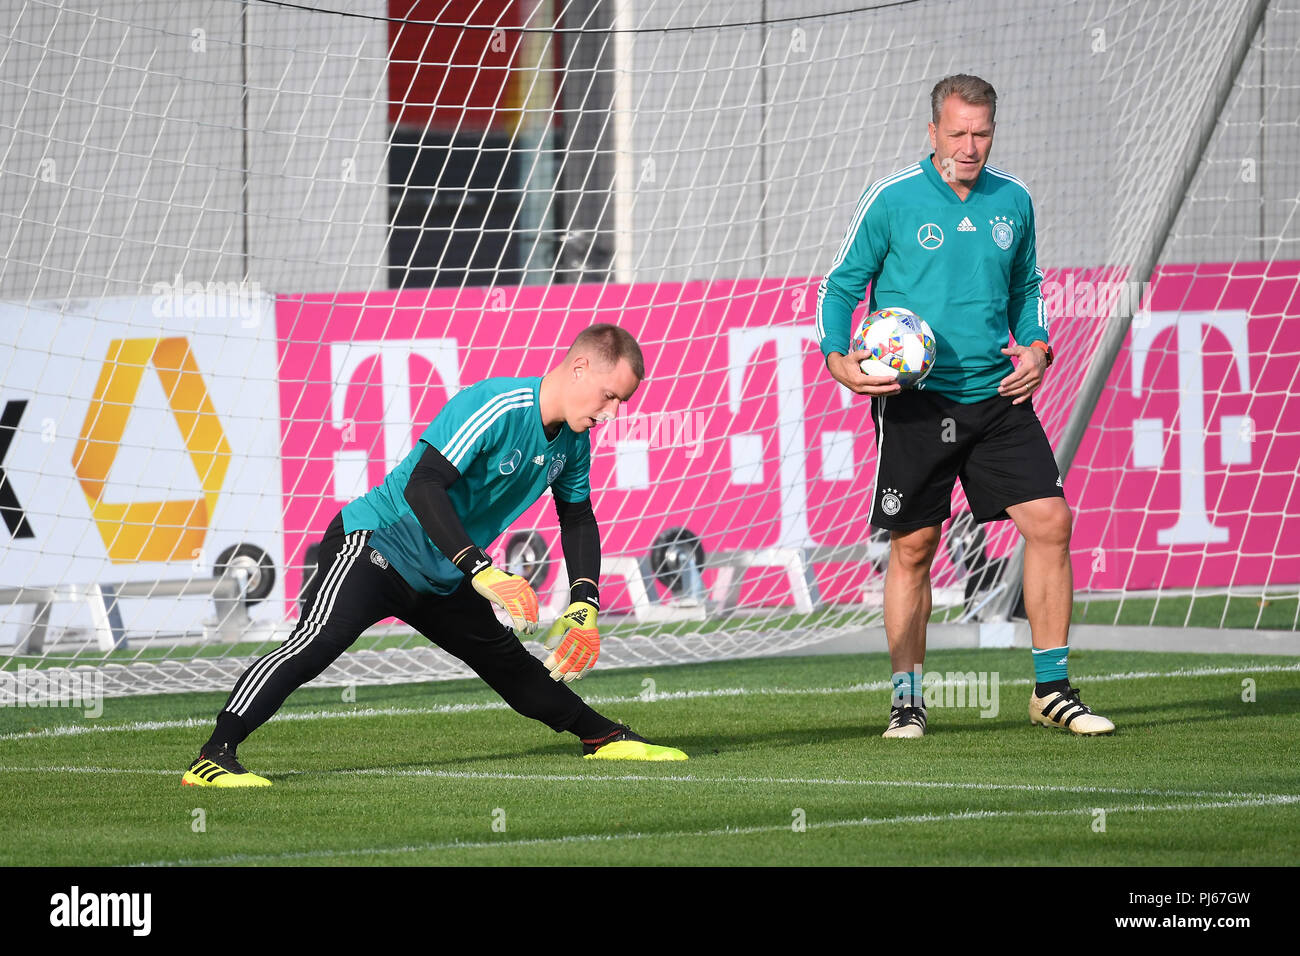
(250, 249)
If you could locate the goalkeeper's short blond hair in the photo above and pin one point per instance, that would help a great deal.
(609, 343)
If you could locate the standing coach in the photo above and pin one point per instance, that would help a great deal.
(952, 239)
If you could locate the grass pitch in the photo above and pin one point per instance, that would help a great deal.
(787, 767)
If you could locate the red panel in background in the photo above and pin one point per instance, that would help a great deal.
(452, 77)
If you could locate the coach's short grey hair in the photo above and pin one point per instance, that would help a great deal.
(971, 89)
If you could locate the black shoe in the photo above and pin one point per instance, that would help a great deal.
(620, 732)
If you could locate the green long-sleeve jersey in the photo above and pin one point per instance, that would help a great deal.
(492, 433)
(968, 267)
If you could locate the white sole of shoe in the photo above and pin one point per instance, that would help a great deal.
(1099, 732)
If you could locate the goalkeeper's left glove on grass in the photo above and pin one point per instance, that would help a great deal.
(574, 642)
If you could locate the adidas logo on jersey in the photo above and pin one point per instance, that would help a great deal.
(965, 225)
(539, 460)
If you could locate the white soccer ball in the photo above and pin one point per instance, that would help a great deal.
(901, 344)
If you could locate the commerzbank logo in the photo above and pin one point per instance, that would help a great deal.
(150, 530)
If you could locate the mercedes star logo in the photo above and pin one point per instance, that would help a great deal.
(929, 236)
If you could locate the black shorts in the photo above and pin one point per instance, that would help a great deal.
(924, 442)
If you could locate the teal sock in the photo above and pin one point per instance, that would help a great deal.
(1051, 664)
(907, 689)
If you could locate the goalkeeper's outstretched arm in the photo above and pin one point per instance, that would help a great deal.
(426, 493)
(574, 640)
(580, 539)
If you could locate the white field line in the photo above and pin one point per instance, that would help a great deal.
(960, 816)
(692, 778)
(72, 730)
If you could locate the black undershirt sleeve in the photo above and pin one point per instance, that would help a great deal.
(426, 493)
(580, 539)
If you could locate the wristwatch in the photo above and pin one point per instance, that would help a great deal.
(1047, 350)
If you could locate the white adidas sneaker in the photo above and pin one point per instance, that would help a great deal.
(906, 722)
(1063, 709)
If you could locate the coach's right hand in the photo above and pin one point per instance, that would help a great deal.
(847, 370)
(511, 593)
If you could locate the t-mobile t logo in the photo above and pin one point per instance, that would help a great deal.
(748, 460)
(1149, 436)
(346, 359)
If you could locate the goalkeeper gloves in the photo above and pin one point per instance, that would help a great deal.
(507, 591)
(574, 642)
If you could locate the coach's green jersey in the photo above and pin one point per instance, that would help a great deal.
(492, 433)
(968, 267)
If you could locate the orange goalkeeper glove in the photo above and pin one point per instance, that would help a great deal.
(574, 642)
(511, 593)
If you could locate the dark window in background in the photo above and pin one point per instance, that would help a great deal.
(481, 192)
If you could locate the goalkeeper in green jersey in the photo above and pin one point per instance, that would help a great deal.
(414, 548)
(952, 239)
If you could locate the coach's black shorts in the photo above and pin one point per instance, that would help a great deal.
(924, 442)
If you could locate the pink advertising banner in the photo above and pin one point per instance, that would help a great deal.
(1187, 474)
(739, 433)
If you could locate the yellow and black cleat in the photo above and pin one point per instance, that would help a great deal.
(623, 744)
(220, 769)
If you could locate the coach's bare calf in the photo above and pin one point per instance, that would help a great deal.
(1046, 525)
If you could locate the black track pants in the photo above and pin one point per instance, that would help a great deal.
(350, 592)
